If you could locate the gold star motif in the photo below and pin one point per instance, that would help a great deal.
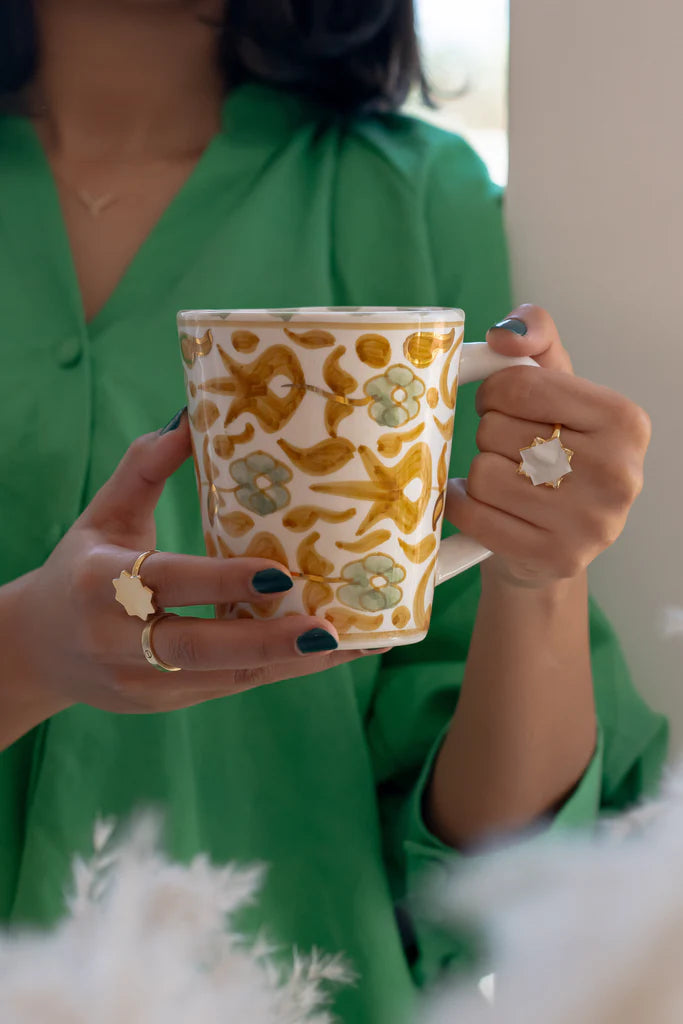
(385, 486)
(135, 597)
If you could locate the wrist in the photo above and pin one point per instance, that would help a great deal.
(25, 699)
(496, 574)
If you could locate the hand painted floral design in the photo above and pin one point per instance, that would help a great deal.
(261, 479)
(395, 396)
(372, 584)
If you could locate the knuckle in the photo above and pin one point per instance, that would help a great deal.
(137, 447)
(478, 477)
(182, 647)
(233, 578)
(486, 430)
(642, 426)
(509, 387)
(570, 565)
(632, 421)
(601, 529)
(248, 678)
(523, 381)
(86, 578)
(622, 484)
(130, 692)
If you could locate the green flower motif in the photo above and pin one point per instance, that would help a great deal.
(395, 395)
(261, 478)
(371, 587)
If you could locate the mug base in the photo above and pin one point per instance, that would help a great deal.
(386, 638)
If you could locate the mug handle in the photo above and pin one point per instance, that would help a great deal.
(458, 553)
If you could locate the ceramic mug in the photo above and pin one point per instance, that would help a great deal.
(322, 439)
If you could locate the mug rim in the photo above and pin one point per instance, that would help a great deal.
(324, 314)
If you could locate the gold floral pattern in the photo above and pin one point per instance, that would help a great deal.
(244, 341)
(224, 444)
(341, 384)
(372, 585)
(305, 516)
(373, 350)
(310, 561)
(422, 347)
(395, 396)
(400, 617)
(236, 524)
(194, 348)
(448, 394)
(420, 613)
(327, 456)
(204, 414)
(446, 428)
(419, 552)
(315, 338)
(382, 496)
(391, 444)
(367, 543)
(343, 620)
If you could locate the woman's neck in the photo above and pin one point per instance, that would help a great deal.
(127, 79)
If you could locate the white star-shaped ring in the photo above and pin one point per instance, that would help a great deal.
(546, 460)
(132, 593)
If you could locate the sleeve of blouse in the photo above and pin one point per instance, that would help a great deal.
(417, 686)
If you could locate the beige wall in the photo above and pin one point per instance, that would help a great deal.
(595, 213)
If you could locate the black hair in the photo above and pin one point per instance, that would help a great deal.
(350, 54)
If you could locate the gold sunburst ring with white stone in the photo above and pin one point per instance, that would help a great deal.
(546, 460)
(132, 593)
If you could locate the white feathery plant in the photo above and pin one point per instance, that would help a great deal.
(583, 929)
(586, 929)
(151, 942)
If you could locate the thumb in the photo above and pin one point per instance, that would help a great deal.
(126, 503)
(530, 331)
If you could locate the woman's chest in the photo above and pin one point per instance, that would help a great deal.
(108, 224)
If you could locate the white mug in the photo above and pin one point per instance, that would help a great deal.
(322, 439)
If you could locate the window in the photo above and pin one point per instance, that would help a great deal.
(465, 47)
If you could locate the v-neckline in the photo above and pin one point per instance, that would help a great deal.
(255, 121)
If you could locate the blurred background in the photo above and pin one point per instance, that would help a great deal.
(465, 44)
(574, 107)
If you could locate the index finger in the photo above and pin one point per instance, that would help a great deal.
(181, 580)
(549, 396)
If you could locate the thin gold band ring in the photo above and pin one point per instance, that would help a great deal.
(148, 647)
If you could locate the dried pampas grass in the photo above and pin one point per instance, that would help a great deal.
(150, 942)
(581, 930)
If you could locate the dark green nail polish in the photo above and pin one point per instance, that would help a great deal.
(271, 581)
(174, 423)
(514, 325)
(315, 641)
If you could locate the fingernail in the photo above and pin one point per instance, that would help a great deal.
(512, 324)
(174, 423)
(315, 641)
(271, 581)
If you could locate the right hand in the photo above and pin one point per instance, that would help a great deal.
(89, 649)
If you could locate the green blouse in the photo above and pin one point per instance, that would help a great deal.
(319, 777)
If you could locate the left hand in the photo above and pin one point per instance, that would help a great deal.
(539, 534)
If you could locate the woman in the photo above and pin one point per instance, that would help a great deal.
(165, 154)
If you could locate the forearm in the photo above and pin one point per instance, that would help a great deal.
(525, 728)
(24, 702)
